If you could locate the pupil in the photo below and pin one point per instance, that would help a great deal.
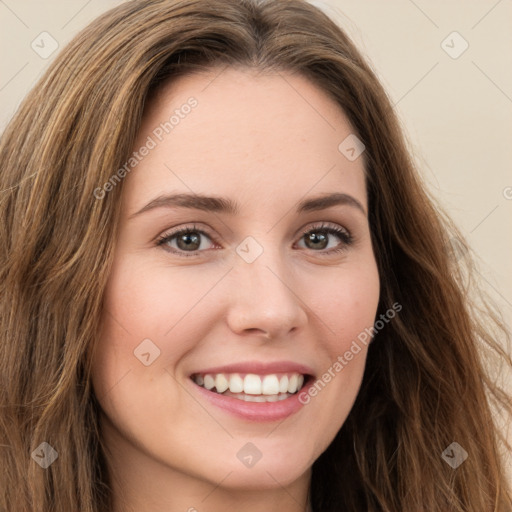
(316, 238)
(189, 241)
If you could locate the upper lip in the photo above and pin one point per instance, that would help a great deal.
(259, 368)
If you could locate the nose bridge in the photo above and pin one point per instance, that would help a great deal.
(263, 297)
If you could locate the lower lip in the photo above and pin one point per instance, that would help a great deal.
(254, 411)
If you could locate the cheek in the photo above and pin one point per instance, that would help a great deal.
(345, 306)
(153, 299)
(144, 308)
(346, 302)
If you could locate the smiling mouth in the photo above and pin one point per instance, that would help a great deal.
(251, 387)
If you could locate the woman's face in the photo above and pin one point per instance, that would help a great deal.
(245, 279)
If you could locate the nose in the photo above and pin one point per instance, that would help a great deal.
(265, 299)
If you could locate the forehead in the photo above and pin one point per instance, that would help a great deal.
(240, 133)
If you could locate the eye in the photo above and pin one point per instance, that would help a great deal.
(188, 239)
(323, 238)
(192, 240)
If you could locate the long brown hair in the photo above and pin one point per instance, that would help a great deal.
(426, 384)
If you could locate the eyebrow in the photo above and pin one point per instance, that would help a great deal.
(224, 205)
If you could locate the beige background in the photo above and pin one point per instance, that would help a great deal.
(456, 111)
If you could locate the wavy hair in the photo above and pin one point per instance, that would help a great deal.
(427, 381)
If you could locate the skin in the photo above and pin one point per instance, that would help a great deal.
(266, 141)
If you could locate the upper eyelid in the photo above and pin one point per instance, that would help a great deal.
(187, 228)
(323, 225)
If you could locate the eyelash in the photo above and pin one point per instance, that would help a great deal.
(342, 233)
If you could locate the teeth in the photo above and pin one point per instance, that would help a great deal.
(270, 385)
(209, 382)
(258, 398)
(283, 384)
(221, 383)
(252, 384)
(236, 383)
(256, 388)
(292, 383)
(251, 398)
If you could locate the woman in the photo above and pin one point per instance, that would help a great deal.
(224, 284)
